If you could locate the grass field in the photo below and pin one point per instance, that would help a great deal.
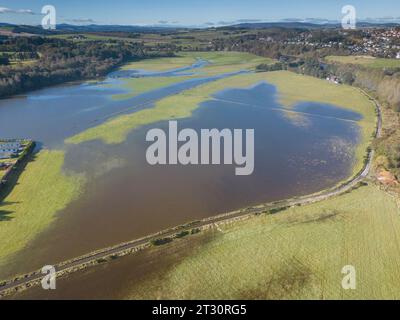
(226, 62)
(161, 64)
(88, 37)
(296, 254)
(178, 106)
(229, 60)
(368, 61)
(219, 63)
(41, 191)
(136, 86)
(199, 39)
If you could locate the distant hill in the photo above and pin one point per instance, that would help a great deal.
(112, 28)
(306, 25)
(68, 28)
(23, 29)
(287, 25)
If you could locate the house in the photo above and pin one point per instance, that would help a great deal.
(9, 149)
(13, 147)
(398, 55)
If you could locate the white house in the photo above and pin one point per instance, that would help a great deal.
(398, 55)
(7, 149)
(10, 147)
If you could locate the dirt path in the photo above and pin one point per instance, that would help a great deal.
(34, 278)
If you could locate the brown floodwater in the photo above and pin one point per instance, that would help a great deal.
(119, 279)
(125, 198)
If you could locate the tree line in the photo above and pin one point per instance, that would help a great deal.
(62, 60)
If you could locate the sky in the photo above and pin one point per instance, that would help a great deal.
(194, 12)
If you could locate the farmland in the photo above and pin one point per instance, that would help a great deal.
(161, 64)
(218, 63)
(136, 86)
(30, 206)
(367, 61)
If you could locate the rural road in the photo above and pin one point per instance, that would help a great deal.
(34, 278)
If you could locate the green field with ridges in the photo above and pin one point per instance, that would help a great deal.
(367, 61)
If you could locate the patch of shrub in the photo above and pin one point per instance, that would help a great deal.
(161, 241)
(182, 234)
(195, 231)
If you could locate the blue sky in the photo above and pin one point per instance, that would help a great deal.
(192, 12)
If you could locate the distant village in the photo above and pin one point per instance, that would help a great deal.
(382, 43)
(379, 43)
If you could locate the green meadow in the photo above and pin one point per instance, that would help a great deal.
(296, 254)
(226, 62)
(136, 86)
(367, 61)
(161, 64)
(41, 191)
(218, 63)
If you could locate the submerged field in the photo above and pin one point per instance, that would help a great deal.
(137, 86)
(161, 64)
(216, 64)
(292, 89)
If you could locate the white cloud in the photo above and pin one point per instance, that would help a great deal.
(4, 10)
(83, 20)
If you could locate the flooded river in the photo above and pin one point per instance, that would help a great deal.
(297, 151)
